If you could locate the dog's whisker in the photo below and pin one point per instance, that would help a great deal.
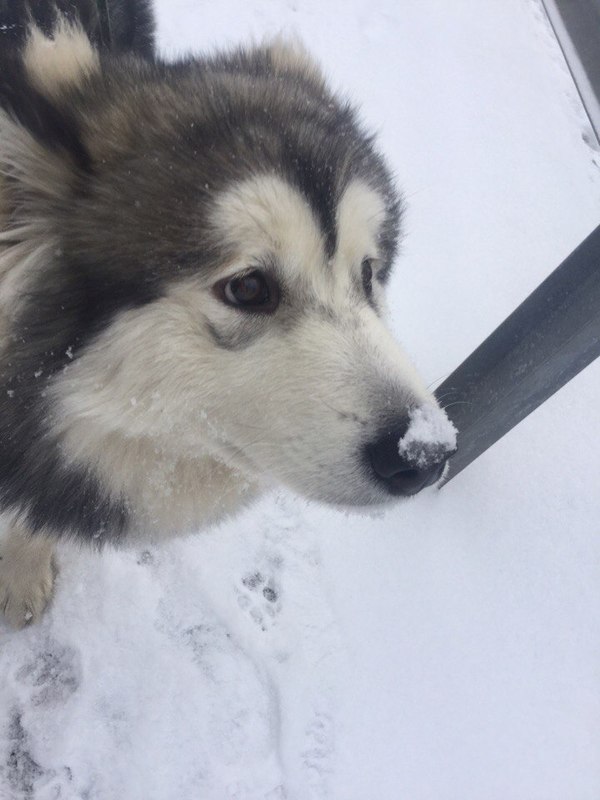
(349, 415)
(457, 403)
(437, 380)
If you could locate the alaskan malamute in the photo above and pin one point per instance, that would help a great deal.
(193, 258)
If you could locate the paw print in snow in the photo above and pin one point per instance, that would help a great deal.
(52, 675)
(260, 598)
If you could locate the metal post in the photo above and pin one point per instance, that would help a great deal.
(544, 343)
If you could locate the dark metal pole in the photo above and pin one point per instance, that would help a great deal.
(579, 39)
(544, 343)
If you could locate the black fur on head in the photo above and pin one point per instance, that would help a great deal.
(113, 27)
(117, 26)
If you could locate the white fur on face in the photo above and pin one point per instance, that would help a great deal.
(157, 402)
(360, 215)
(64, 60)
(266, 218)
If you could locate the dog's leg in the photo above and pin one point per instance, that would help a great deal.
(26, 575)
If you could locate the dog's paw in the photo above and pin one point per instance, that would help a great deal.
(25, 588)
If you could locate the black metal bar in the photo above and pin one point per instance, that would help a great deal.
(544, 343)
(579, 39)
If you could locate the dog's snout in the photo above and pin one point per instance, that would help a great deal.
(401, 474)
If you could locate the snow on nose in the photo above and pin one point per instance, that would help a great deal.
(412, 454)
(429, 439)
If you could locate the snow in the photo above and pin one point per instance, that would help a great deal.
(446, 650)
(429, 437)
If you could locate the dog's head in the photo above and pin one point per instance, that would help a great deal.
(306, 382)
(211, 244)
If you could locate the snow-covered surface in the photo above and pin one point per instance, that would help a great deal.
(447, 650)
(430, 436)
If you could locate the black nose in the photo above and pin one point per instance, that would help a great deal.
(401, 476)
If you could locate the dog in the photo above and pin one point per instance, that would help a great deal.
(193, 260)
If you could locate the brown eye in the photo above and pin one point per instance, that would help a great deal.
(252, 291)
(367, 276)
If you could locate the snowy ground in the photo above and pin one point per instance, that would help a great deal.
(449, 650)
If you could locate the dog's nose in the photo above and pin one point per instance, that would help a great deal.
(401, 474)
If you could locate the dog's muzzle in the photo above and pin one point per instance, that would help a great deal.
(402, 475)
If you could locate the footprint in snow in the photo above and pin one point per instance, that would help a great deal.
(259, 596)
(21, 771)
(53, 674)
(317, 754)
(206, 641)
(146, 558)
(21, 777)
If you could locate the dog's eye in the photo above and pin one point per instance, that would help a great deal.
(252, 291)
(367, 276)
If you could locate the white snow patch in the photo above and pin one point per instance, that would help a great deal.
(429, 437)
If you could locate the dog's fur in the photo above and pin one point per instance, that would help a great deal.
(134, 399)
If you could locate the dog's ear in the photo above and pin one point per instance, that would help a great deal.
(117, 26)
(289, 54)
(53, 127)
